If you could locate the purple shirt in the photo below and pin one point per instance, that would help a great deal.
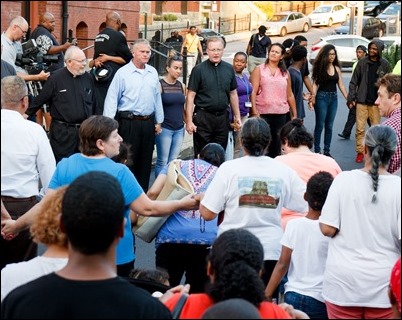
(244, 89)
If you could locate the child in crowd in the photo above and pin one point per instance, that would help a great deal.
(302, 238)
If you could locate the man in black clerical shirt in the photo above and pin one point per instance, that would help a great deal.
(212, 87)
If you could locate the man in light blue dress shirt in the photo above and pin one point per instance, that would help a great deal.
(134, 99)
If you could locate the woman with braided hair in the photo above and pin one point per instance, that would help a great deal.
(362, 215)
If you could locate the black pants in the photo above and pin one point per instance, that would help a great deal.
(64, 140)
(21, 248)
(211, 127)
(140, 134)
(180, 258)
(276, 122)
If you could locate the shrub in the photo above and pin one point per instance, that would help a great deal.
(392, 54)
(165, 17)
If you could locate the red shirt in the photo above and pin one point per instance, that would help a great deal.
(197, 303)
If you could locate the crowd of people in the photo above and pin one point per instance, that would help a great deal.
(274, 224)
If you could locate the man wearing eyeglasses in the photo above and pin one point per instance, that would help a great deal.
(26, 159)
(211, 91)
(11, 41)
(48, 45)
(69, 93)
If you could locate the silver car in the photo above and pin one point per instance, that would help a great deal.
(345, 46)
(286, 22)
(328, 14)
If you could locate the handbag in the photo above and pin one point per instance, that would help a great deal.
(176, 187)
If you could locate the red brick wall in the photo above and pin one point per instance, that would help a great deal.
(84, 17)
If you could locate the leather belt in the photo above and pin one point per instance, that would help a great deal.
(74, 125)
(12, 199)
(131, 116)
(215, 113)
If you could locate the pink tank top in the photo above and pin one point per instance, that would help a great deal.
(272, 94)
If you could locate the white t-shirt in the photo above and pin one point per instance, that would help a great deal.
(14, 275)
(363, 252)
(252, 191)
(309, 254)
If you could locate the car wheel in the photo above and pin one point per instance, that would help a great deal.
(283, 32)
(330, 22)
(305, 27)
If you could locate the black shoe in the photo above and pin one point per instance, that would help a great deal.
(343, 136)
(326, 153)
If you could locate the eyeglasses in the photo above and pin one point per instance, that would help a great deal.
(215, 50)
(84, 61)
(24, 32)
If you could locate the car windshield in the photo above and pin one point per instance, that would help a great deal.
(346, 23)
(278, 18)
(322, 10)
(392, 10)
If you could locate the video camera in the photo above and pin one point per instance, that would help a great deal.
(32, 59)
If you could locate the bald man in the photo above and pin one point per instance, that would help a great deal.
(111, 52)
(47, 42)
(11, 42)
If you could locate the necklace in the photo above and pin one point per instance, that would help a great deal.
(272, 70)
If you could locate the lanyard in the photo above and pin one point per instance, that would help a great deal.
(246, 84)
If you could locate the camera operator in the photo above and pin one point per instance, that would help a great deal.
(47, 42)
(11, 41)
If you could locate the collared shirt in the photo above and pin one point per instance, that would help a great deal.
(212, 84)
(10, 50)
(135, 90)
(26, 156)
(71, 99)
(394, 121)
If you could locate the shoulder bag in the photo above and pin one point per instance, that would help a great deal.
(176, 187)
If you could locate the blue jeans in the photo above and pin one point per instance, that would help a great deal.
(168, 147)
(326, 104)
(313, 307)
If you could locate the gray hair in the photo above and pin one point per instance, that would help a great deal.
(13, 89)
(140, 41)
(70, 52)
(381, 142)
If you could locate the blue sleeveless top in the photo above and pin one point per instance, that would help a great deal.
(173, 100)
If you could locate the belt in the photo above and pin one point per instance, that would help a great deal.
(74, 125)
(12, 199)
(215, 113)
(131, 116)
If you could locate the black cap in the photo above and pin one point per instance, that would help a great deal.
(262, 29)
(362, 48)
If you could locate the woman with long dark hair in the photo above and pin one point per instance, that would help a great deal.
(272, 97)
(326, 77)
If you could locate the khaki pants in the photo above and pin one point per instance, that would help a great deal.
(364, 112)
(191, 62)
(253, 62)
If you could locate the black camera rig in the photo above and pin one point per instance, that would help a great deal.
(32, 59)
